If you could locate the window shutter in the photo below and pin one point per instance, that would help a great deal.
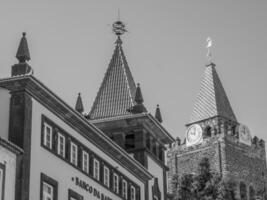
(54, 139)
(68, 149)
(120, 185)
(80, 156)
(101, 172)
(111, 179)
(129, 191)
(137, 193)
(42, 133)
(91, 165)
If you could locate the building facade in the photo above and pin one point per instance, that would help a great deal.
(10, 162)
(215, 133)
(114, 152)
(119, 111)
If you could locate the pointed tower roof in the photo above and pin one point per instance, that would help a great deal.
(116, 93)
(211, 100)
(158, 114)
(23, 53)
(79, 104)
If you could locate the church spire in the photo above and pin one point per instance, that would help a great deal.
(116, 93)
(79, 104)
(23, 55)
(158, 114)
(212, 100)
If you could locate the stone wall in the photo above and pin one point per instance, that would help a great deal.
(246, 163)
(183, 160)
(227, 157)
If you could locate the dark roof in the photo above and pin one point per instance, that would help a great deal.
(117, 91)
(211, 100)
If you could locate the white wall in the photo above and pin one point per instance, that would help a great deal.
(4, 112)
(48, 163)
(156, 171)
(8, 158)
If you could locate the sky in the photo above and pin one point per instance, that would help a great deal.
(71, 44)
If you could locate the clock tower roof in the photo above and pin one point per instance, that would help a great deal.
(211, 100)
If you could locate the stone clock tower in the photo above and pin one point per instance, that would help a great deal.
(214, 132)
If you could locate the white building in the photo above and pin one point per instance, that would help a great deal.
(68, 156)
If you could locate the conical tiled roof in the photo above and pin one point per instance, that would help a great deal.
(23, 53)
(117, 91)
(211, 100)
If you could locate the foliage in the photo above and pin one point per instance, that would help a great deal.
(205, 185)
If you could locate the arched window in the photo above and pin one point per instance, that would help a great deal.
(251, 193)
(243, 191)
(207, 132)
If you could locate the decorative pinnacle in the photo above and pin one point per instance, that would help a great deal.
(158, 114)
(138, 95)
(79, 104)
(23, 53)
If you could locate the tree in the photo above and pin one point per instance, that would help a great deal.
(205, 185)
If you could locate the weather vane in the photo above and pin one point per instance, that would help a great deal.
(209, 44)
(118, 27)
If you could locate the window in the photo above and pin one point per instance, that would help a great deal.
(48, 188)
(106, 176)
(96, 169)
(116, 183)
(124, 189)
(132, 193)
(47, 136)
(2, 181)
(73, 153)
(74, 195)
(85, 162)
(243, 191)
(251, 193)
(61, 145)
(130, 141)
(48, 191)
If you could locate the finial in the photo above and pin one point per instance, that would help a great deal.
(79, 104)
(208, 46)
(158, 114)
(139, 106)
(138, 95)
(118, 27)
(23, 53)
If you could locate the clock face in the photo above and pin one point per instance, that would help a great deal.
(193, 134)
(244, 134)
